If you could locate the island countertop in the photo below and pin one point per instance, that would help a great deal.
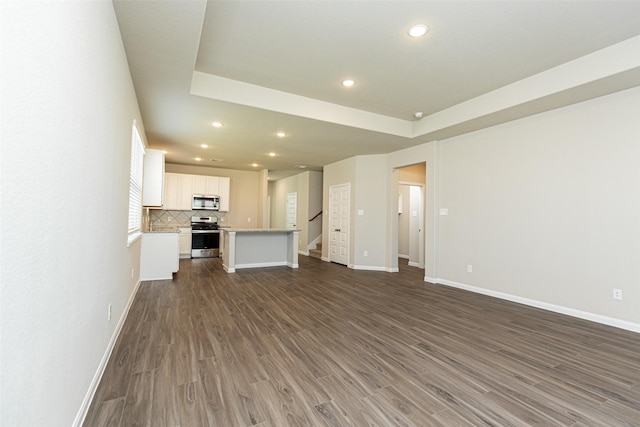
(258, 230)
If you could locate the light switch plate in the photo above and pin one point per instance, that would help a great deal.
(360, 212)
(444, 211)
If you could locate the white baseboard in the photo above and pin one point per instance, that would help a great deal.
(403, 256)
(84, 408)
(325, 259)
(373, 268)
(414, 264)
(598, 318)
(303, 253)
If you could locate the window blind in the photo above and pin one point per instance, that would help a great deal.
(135, 181)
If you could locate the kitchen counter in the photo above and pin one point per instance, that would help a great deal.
(168, 230)
(159, 255)
(259, 247)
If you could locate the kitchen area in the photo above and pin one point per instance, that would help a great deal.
(185, 215)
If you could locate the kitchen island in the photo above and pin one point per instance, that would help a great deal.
(257, 247)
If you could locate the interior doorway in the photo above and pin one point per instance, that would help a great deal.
(411, 218)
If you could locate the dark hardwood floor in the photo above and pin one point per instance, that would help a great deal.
(324, 345)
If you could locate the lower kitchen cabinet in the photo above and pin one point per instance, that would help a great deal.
(185, 242)
(159, 255)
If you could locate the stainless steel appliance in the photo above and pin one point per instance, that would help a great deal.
(205, 237)
(205, 202)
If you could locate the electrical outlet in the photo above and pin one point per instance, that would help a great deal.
(469, 268)
(109, 313)
(366, 253)
(132, 272)
(617, 294)
(249, 219)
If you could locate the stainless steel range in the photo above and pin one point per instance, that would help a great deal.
(205, 237)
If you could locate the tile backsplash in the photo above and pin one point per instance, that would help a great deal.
(162, 218)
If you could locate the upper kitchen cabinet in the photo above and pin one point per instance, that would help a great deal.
(177, 191)
(224, 191)
(153, 178)
(180, 188)
(206, 185)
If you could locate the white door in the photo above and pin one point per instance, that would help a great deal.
(416, 225)
(339, 211)
(292, 210)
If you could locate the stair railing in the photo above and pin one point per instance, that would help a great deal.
(316, 216)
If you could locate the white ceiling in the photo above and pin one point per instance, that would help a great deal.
(264, 66)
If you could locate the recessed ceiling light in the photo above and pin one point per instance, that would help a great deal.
(418, 30)
(272, 154)
(216, 124)
(198, 159)
(348, 82)
(165, 151)
(281, 134)
(255, 165)
(204, 145)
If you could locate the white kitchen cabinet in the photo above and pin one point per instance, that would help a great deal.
(185, 242)
(224, 190)
(153, 178)
(180, 188)
(200, 184)
(178, 192)
(186, 194)
(212, 185)
(159, 256)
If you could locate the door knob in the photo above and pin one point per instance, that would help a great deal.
(337, 229)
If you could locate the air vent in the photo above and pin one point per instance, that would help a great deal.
(215, 160)
(300, 166)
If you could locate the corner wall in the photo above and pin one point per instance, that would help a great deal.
(546, 209)
(67, 108)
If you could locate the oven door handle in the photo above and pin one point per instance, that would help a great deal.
(205, 231)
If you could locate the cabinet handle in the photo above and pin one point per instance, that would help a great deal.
(337, 229)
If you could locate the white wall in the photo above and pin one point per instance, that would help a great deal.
(371, 197)
(308, 187)
(546, 208)
(67, 109)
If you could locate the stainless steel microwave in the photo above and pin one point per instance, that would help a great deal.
(205, 202)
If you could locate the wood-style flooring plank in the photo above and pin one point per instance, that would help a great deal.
(324, 345)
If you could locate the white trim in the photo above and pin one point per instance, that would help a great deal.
(325, 259)
(263, 264)
(414, 264)
(303, 253)
(133, 237)
(93, 387)
(598, 318)
(430, 279)
(372, 268)
(403, 256)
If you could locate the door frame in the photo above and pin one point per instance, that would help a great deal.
(333, 188)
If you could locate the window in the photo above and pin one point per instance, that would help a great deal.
(135, 181)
